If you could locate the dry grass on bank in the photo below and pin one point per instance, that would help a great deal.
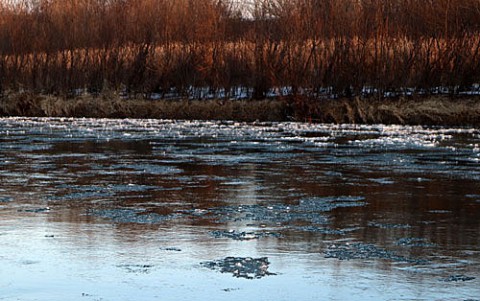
(113, 106)
(431, 110)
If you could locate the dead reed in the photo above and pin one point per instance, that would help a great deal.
(140, 47)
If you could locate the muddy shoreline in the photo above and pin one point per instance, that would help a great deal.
(426, 110)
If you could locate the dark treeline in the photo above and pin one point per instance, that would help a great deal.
(187, 46)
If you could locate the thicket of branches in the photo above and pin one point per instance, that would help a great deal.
(185, 46)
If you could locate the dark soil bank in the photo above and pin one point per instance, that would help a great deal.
(431, 110)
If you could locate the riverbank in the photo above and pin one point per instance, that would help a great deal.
(425, 110)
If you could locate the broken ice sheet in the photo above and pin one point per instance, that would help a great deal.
(241, 267)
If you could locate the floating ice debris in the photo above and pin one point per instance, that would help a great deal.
(137, 216)
(388, 226)
(308, 209)
(440, 211)
(30, 262)
(366, 251)
(80, 195)
(326, 231)
(457, 278)
(415, 242)
(326, 204)
(241, 267)
(278, 214)
(5, 199)
(473, 196)
(171, 249)
(199, 212)
(136, 268)
(383, 181)
(36, 210)
(242, 235)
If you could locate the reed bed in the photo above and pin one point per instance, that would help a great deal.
(165, 47)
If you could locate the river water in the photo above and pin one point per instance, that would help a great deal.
(178, 210)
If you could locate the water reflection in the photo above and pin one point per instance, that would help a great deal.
(135, 200)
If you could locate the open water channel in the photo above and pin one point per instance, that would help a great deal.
(177, 210)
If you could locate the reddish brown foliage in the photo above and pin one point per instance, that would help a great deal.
(147, 46)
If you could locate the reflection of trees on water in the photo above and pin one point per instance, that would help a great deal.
(183, 175)
(437, 210)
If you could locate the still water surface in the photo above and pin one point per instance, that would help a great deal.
(151, 210)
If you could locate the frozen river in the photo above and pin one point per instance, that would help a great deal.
(176, 210)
